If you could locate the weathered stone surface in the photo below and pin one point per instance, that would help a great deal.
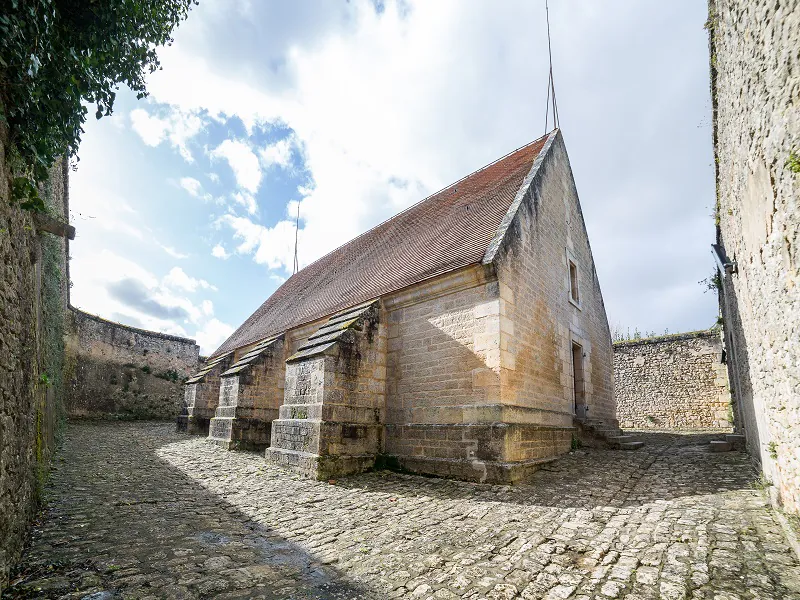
(33, 296)
(480, 379)
(331, 420)
(202, 395)
(138, 511)
(539, 322)
(672, 382)
(116, 371)
(251, 392)
(755, 93)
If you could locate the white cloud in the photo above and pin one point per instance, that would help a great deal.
(246, 200)
(173, 253)
(178, 128)
(242, 161)
(270, 246)
(279, 153)
(177, 279)
(219, 251)
(151, 129)
(114, 287)
(191, 185)
(212, 334)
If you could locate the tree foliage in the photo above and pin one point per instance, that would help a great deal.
(57, 57)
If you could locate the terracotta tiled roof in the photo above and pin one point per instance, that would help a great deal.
(448, 230)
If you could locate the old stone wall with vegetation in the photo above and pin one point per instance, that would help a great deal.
(116, 371)
(672, 382)
(755, 71)
(33, 294)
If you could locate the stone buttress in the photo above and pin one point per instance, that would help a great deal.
(201, 396)
(331, 421)
(250, 393)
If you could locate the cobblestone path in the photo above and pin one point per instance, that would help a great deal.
(138, 511)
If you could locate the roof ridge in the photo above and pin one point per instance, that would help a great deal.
(425, 199)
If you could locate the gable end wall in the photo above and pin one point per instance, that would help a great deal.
(538, 323)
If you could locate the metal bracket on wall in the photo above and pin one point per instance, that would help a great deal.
(725, 265)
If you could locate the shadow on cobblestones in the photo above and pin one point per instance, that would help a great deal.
(138, 511)
(121, 522)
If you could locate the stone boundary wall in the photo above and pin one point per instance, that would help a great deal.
(755, 93)
(672, 382)
(33, 295)
(117, 371)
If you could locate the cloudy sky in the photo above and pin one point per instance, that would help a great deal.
(185, 202)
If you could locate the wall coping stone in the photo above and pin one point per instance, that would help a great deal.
(671, 337)
(147, 332)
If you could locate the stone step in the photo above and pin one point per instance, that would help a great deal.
(622, 439)
(720, 446)
(736, 440)
(631, 445)
(611, 433)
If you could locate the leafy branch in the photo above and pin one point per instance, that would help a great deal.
(57, 57)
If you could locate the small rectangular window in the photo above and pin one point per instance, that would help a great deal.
(574, 294)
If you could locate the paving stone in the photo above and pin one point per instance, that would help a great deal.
(135, 510)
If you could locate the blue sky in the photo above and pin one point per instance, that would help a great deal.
(184, 203)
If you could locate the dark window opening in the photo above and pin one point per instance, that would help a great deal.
(574, 294)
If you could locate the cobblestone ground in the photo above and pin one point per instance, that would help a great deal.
(138, 511)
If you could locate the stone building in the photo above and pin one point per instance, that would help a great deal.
(755, 88)
(677, 381)
(460, 338)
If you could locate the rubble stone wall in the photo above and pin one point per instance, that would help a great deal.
(33, 296)
(116, 371)
(755, 72)
(672, 382)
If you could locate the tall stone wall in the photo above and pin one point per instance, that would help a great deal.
(755, 70)
(673, 382)
(115, 371)
(33, 294)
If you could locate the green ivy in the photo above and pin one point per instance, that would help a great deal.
(57, 57)
(793, 162)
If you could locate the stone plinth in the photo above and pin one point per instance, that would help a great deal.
(201, 396)
(251, 391)
(330, 423)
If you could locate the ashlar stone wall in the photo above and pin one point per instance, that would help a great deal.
(330, 423)
(443, 384)
(116, 371)
(755, 69)
(673, 382)
(539, 322)
(250, 394)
